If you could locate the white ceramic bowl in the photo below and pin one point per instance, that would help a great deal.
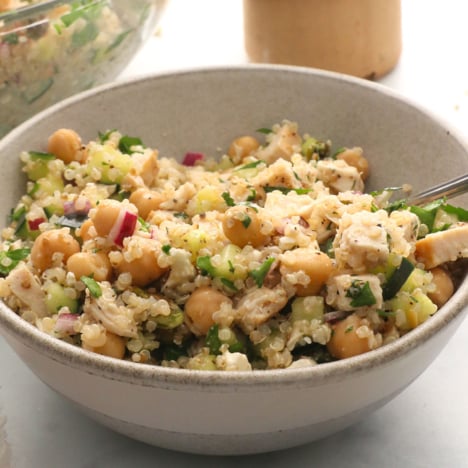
(243, 412)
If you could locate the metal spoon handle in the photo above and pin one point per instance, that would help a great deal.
(448, 189)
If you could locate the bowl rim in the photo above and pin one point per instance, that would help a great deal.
(13, 326)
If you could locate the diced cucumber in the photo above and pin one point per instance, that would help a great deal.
(57, 298)
(37, 167)
(202, 361)
(228, 267)
(417, 308)
(109, 163)
(307, 308)
(397, 279)
(173, 320)
(207, 199)
(47, 186)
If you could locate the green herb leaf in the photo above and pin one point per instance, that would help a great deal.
(229, 284)
(285, 190)
(93, 286)
(166, 249)
(205, 266)
(37, 155)
(251, 165)
(212, 339)
(172, 352)
(246, 220)
(11, 258)
(103, 137)
(228, 199)
(338, 151)
(264, 130)
(252, 196)
(427, 213)
(144, 225)
(127, 142)
(361, 294)
(260, 273)
(459, 212)
(18, 213)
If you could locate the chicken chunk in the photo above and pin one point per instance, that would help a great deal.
(339, 176)
(443, 246)
(257, 306)
(116, 318)
(26, 287)
(282, 144)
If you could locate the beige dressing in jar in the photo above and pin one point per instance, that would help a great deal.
(357, 37)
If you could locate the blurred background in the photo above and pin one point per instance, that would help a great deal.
(432, 68)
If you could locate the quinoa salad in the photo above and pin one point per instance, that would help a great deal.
(51, 52)
(269, 257)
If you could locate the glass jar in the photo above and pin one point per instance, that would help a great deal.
(356, 37)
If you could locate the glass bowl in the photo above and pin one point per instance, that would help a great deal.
(52, 49)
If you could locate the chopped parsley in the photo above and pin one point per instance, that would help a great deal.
(361, 294)
(264, 130)
(144, 225)
(229, 284)
(11, 258)
(228, 199)
(38, 155)
(205, 266)
(285, 190)
(246, 220)
(92, 285)
(127, 142)
(252, 196)
(103, 137)
(166, 249)
(260, 273)
(251, 165)
(212, 339)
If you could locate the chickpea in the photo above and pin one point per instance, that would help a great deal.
(85, 232)
(444, 287)
(50, 242)
(315, 264)
(144, 266)
(113, 347)
(242, 226)
(105, 215)
(344, 342)
(96, 264)
(200, 307)
(354, 157)
(242, 147)
(146, 201)
(66, 145)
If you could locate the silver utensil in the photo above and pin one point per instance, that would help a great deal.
(448, 189)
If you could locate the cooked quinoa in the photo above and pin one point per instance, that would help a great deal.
(269, 257)
(72, 46)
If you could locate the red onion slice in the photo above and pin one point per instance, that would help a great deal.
(191, 158)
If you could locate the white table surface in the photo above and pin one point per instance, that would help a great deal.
(426, 426)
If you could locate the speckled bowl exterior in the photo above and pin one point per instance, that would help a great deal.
(201, 110)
